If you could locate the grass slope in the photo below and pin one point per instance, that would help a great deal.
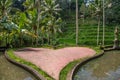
(87, 33)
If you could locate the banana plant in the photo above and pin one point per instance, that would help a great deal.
(18, 29)
(24, 26)
(33, 8)
(6, 27)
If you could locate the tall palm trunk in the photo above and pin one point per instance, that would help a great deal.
(20, 34)
(69, 7)
(38, 9)
(76, 22)
(98, 30)
(42, 38)
(34, 29)
(5, 34)
(48, 37)
(103, 22)
(37, 31)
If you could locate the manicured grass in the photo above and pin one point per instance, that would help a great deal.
(97, 49)
(12, 56)
(69, 67)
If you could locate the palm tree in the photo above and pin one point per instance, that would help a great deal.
(83, 10)
(53, 26)
(77, 22)
(103, 22)
(96, 7)
(50, 8)
(37, 2)
(5, 7)
(50, 11)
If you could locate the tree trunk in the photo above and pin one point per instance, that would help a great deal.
(48, 38)
(83, 18)
(20, 39)
(42, 40)
(69, 7)
(103, 22)
(38, 9)
(32, 38)
(76, 22)
(98, 31)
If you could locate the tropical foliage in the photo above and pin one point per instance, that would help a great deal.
(33, 19)
(39, 22)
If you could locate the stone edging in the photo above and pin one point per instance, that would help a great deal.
(72, 73)
(29, 69)
(109, 48)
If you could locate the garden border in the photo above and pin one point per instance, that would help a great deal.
(25, 67)
(76, 67)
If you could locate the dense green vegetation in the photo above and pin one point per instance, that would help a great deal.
(87, 34)
(50, 22)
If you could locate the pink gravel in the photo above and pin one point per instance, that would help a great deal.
(53, 61)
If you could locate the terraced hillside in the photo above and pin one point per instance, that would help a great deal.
(87, 33)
